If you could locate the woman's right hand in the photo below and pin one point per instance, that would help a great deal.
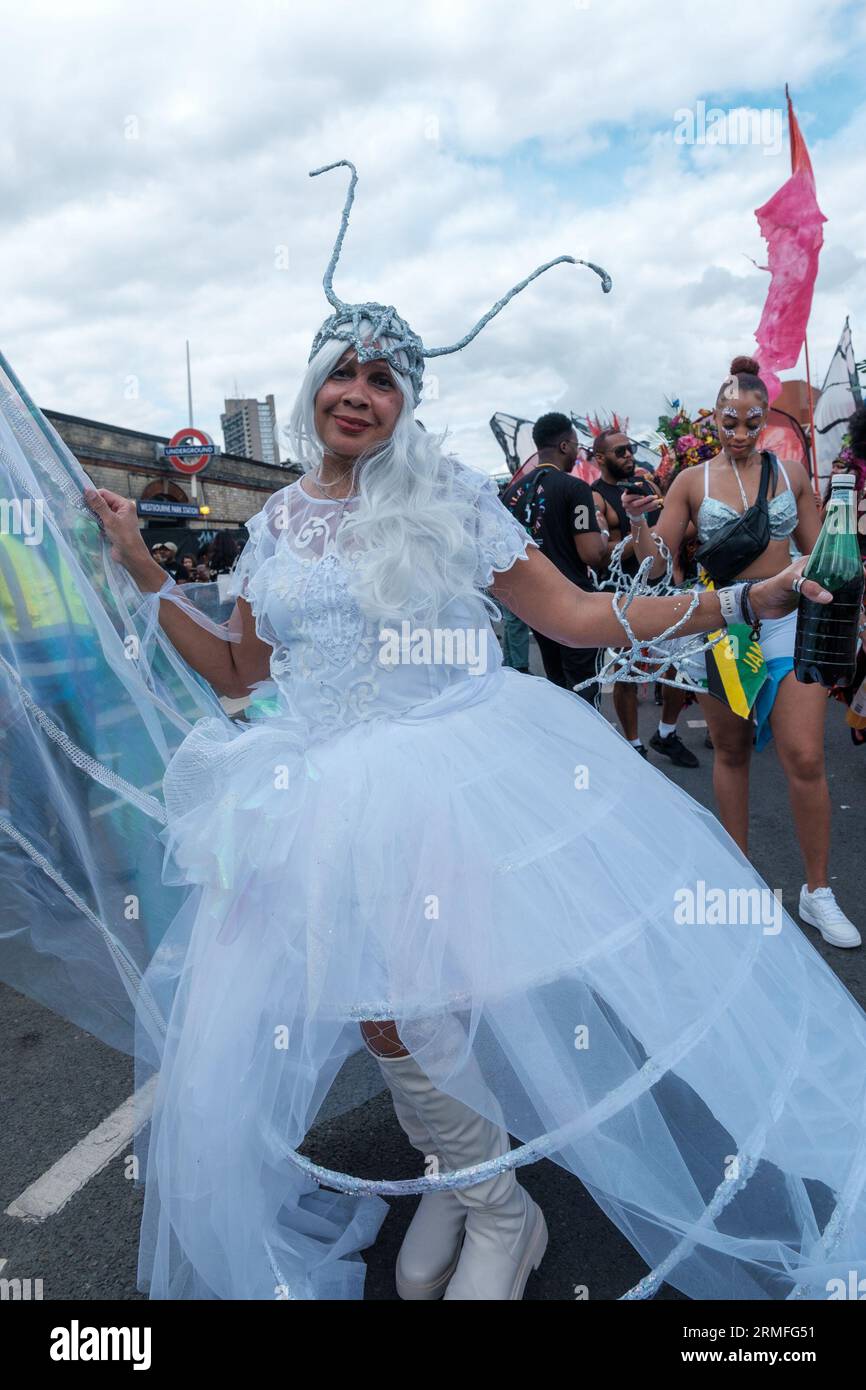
(119, 517)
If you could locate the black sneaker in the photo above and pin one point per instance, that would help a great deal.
(641, 748)
(673, 747)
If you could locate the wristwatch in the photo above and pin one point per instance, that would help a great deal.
(736, 605)
(729, 602)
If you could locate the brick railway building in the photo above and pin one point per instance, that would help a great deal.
(132, 464)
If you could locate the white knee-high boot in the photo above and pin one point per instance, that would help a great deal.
(505, 1232)
(431, 1246)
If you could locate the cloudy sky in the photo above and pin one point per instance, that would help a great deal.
(154, 187)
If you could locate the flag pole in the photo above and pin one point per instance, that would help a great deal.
(193, 483)
(813, 456)
(812, 451)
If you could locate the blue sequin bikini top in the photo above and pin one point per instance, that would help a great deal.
(713, 514)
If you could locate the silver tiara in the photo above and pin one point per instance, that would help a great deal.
(345, 324)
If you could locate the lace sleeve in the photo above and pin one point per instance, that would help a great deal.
(259, 547)
(500, 538)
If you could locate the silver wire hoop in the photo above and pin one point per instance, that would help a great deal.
(645, 659)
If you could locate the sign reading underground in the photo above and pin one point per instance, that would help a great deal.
(189, 450)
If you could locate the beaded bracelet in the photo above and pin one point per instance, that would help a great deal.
(749, 613)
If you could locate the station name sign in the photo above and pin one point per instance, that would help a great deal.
(168, 509)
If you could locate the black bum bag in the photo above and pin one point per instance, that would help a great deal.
(742, 539)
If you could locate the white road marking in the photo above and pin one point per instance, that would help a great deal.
(51, 1192)
(697, 723)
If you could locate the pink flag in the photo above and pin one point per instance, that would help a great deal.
(791, 223)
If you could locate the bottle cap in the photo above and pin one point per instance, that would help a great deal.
(843, 480)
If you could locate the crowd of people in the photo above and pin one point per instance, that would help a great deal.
(203, 565)
(564, 514)
(579, 526)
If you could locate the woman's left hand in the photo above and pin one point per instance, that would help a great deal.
(774, 598)
(634, 504)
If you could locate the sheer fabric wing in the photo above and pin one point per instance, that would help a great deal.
(94, 700)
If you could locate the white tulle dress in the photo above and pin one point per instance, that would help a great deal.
(426, 840)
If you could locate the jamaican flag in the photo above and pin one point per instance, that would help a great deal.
(736, 669)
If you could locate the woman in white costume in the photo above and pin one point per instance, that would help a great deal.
(592, 990)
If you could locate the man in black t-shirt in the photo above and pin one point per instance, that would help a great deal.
(559, 512)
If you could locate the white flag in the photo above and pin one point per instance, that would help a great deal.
(839, 398)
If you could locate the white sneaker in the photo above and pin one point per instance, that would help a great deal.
(820, 909)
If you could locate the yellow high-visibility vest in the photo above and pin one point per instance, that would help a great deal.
(37, 597)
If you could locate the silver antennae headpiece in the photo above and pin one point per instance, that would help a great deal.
(376, 331)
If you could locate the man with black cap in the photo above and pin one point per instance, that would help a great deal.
(165, 554)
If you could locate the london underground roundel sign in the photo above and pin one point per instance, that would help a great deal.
(189, 450)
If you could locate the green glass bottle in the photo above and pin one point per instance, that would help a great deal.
(825, 650)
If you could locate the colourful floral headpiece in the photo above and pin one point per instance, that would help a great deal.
(686, 440)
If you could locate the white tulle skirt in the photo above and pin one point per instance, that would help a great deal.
(640, 1006)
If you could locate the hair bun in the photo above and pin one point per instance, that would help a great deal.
(745, 366)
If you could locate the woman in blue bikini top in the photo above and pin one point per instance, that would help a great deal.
(713, 513)
(703, 501)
